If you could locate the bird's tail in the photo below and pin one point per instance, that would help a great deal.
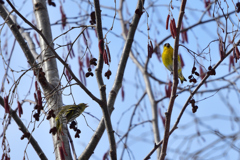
(181, 77)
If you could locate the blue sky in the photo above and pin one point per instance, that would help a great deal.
(141, 138)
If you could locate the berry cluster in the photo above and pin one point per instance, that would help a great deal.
(73, 126)
(108, 74)
(93, 61)
(53, 130)
(211, 71)
(194, 107)
(238, 7)
(191, 77)
(51, 114)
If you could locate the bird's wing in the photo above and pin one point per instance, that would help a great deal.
(179, 63)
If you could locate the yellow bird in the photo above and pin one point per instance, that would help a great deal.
(68, 114)
(167, 58)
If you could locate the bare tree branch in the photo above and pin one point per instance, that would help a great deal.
(175, 83)
(117, 84)
(24, 130)
(102, 87)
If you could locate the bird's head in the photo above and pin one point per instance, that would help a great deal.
(167, 45)
(83, 105)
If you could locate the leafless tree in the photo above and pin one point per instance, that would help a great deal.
(195, 123)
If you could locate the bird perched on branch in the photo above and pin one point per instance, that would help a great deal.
(68, 114)
(167, 58)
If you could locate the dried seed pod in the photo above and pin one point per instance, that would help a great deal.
(167, 91)
(36, 116)
(108, 53)
(100, 46)
(171, 29)
(185, 36)
(50, 3)
(77, 135)
(181, 59)
(221, 50)
(87, 60)
(108, 74)
(39, 99)
(174, 28)
(237, 53)
(202, 75)
(194, 109)
(93, 18)
(36, 85)
(192, 101)
(73, 125)
(53, 130)
(63, 17)
(194, 80)
(105, 58)
(231, 62)
(193, 70)
(89, 74)
(93, 61)
(196, 73)
(238, 7)
(6, 105)
(122, 93)
(167, 21)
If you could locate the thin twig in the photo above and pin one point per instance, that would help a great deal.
(175, 83)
